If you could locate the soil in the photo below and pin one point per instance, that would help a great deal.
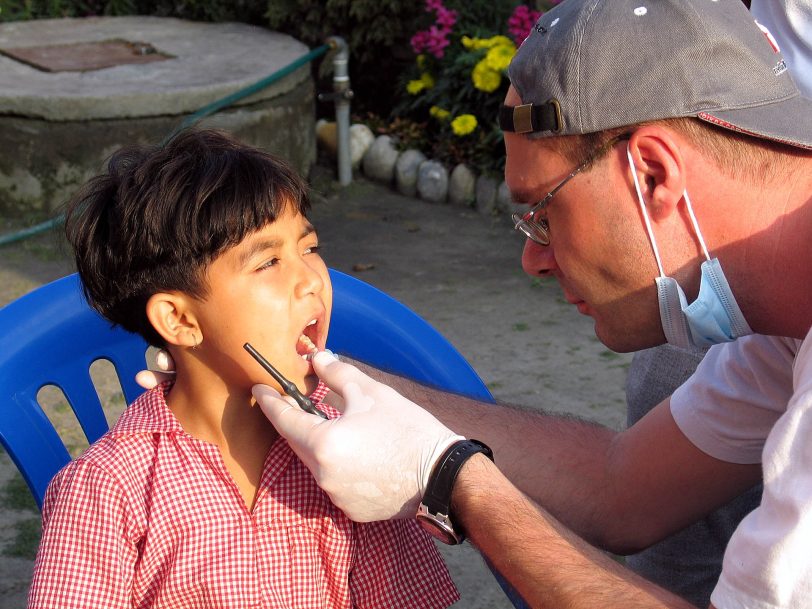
(457, 269)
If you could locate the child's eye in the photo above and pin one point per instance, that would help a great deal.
(313, 249)
(268, 264)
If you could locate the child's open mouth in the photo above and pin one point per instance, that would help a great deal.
(306, 345)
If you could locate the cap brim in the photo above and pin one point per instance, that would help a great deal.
(788, 121)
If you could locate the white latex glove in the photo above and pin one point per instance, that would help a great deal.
(374, 461)
(166, 371)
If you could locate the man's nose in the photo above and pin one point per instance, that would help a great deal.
(538, 260)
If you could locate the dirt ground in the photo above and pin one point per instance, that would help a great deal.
(457, 269)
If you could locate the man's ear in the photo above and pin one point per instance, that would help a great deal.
(660, 169)
(172, 317)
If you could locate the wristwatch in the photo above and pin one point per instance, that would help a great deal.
(434, 511)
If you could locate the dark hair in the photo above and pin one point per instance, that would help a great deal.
(160, 215)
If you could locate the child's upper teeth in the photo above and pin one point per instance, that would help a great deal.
(313, 321)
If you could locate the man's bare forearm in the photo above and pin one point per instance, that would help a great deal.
(537, 452)
(549, 565)
(620, 491)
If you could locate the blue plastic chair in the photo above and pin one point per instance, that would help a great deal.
(52, 337)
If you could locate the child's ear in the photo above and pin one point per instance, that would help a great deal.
(173, 318)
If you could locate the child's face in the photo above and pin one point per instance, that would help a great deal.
(268, 290)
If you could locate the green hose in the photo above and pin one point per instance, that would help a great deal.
(187, 122)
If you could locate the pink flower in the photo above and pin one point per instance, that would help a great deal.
(435, 39)
(521, 22)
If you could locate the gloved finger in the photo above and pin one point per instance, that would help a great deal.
(290, 421)
(152, 378)
(355, 399)
(164, 361)
(336, 374)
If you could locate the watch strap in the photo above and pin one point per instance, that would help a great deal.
(437, 497)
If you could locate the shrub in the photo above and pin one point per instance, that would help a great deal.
(457, 81)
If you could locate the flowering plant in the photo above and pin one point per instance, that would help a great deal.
(458, 80)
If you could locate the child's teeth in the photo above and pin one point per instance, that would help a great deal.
(305, 340)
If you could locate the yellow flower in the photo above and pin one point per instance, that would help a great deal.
(426, 81)
(495, 41)
(485, 78)
(413, 87)
(438, 113)
(463, 124)
(499, 56)
(421, 61)
(474, 44)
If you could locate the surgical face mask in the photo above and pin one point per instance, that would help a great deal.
(714, 317)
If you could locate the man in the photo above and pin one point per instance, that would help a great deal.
(721, 195)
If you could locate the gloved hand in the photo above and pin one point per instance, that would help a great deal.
(374, 461)
(151, 378)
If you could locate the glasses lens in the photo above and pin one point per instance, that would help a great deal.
(535, 231)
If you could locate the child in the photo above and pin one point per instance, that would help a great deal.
(192, 499)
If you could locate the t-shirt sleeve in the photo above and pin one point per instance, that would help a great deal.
(85, 557)
(738, 392)
(768, 563)
(396, 565)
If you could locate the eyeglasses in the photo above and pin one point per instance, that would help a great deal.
(536, 227)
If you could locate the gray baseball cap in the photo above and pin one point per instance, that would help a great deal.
(591, 65)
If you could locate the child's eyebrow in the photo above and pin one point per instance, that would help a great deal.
(261, 245)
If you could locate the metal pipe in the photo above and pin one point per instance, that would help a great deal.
(342, 95)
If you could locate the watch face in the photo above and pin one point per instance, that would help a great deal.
(439, 529)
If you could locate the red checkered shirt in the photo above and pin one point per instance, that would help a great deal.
(149, 516)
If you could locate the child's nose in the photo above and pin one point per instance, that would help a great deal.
(309, 280)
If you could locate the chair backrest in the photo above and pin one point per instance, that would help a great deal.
(51, 337)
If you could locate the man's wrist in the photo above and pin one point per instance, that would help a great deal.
(434, 513)
(473, 479)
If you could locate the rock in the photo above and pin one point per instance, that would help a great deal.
(486, 195)
(327, 136)
(406, 171)
(361, 138)
(379, 161)
(462, 186)
(432, 182)
(504, 203)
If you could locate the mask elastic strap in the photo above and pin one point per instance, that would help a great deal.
(695, 223)
(645, 212)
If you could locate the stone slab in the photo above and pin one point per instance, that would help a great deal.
(84, 56)
(209, 61)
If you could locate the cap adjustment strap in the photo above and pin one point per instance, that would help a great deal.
(531, 118)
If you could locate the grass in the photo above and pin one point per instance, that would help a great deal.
(16, 496)
(26, 541)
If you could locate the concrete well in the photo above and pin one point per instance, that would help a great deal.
(58, 127)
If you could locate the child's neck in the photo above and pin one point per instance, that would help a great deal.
(210, 410)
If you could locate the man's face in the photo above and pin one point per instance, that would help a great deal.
(269, 290)
(597, 251)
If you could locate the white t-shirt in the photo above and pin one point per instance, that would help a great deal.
(790, 23)
(753, 398)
